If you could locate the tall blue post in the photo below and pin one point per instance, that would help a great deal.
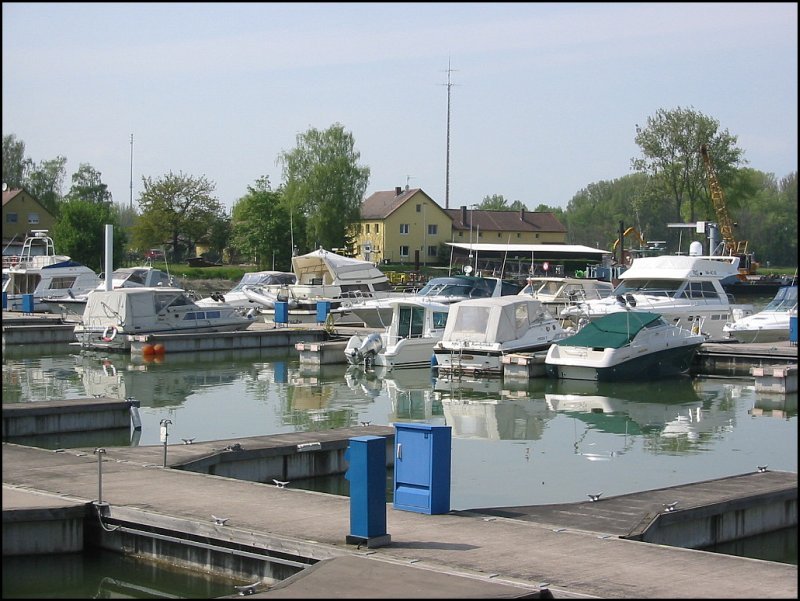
(367, 476)
(422, 468)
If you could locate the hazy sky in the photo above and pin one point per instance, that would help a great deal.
(545, 97)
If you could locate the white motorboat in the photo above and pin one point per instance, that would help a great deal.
(40, 272)
(416, 325)
(685, 289)
(270, 280)
(112, 316)
(377, 312)
(558, 293)
(480, 331)
(629, 345)
(321, 276)
(769, 325)
(73, 306)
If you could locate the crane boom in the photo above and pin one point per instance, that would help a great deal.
(732, 246)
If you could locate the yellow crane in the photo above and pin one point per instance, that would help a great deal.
(732, 245)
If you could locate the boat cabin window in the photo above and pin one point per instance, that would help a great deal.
(410, 322)
(439, 319)
(62, 283)
(704, 289)
(647, 285)
(472, 320)
(164, 301)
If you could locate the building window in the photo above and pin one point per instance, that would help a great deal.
(404, 251)
(367, 231)
(432, 251)
(33, 218)
(404, 228)
(536, 236)
(11, 218)
(419, 208)
(519, 235)
(460, 234)
(433, 229)
(377, 227)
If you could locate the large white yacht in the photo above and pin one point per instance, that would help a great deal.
(685, 289)
(38, 271)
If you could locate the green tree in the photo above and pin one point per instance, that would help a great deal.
(46, 182)
(15, 164)
(259, 227)
(767, 219)
(88, 185)
(670, 145)
(80, 232)
(177, 210)
(496, 202)
(323, 182)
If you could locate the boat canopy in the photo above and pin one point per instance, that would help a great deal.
(493, 320)
(614, 330)
(325, 267)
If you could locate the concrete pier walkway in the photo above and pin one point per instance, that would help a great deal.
(490, 549)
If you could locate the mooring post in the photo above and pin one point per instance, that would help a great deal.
(99, 452)
(164, 435)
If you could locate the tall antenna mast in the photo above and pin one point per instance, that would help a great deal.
(447, 167)
(131, 201)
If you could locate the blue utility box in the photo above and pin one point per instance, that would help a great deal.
(5, 301)
(367, 476)
(27, 303)
(793, 329)
(281, 312)
(422, 468)
(323, 309)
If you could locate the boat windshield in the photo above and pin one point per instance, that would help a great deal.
(256, 278)
(648, 286)
(785, 300)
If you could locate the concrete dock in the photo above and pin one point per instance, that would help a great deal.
(576, 549)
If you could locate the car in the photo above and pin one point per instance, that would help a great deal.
(154, 254)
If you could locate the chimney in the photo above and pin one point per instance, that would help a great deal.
(398, 190)
(464, 214)
(522, 214)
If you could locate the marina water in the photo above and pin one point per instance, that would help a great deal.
(525, 442)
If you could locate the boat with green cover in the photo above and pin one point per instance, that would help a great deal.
(629, 345)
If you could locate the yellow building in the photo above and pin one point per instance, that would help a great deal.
(402, 226)
(22, 214)
(407, 226)
(473, 226)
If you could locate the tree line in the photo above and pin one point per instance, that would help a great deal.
(323, 186)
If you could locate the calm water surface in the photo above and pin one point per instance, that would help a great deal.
(514, 442)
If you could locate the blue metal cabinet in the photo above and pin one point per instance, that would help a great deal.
(323, 309)
(27, 303)
(422, 468)
(367, 475)
(793, 329)
(281, 312)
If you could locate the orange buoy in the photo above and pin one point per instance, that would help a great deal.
(159, 349)
(148, 349)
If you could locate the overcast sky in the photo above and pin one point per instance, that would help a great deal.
(544, 101)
